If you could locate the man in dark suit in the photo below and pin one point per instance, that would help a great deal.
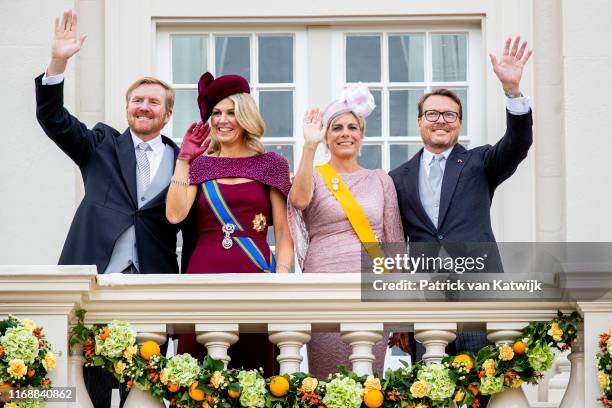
(445, 191)
(120, 226)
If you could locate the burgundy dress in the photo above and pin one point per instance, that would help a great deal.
(250, 203)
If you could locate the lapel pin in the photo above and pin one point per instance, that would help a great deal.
(459, 161)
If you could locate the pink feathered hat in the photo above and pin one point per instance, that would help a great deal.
(355, 98)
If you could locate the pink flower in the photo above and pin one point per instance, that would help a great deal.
(359, 99)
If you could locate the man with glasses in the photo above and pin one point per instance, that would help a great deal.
(445, 191)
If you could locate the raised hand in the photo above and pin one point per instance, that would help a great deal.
(509, 69)
(195, 141)
(313, 127)
(66, 42)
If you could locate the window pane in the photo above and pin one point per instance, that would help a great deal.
(189, 58)
(403, 112)
(233, 56)
(374, 121)
(363, 58)
(401, 153)
(276, 108)
(276, 59)
(285, 150)
(185, 111)
(406, 58)
(449, 57)
(370, 157)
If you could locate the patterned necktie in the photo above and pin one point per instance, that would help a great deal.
(435, 172)
(143, 170)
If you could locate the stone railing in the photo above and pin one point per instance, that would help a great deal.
(288, 307)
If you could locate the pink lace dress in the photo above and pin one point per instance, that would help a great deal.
(326, 242)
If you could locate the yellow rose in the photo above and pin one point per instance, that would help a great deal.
(421, 405)
(29, 324)
(505, 352)
(163, 376)
(459, 396)
(309, 384)
(129, 352)
(489, 367)
(603, 379)
(49, 362)
(216, 379)
(610, 328)
(119, 366)
(10, 405)
(372, 383)
(419, 389)
(17, 368)
(517, 382)
(555, 331)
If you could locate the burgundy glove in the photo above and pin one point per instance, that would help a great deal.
(195, 141)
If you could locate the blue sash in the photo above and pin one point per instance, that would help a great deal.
(229, 223)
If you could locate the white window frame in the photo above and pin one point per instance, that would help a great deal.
(300, 77)
(474, 79)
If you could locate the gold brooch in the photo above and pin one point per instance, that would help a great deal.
(259, 222)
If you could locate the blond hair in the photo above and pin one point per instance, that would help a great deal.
(170, 94)
(249, 118)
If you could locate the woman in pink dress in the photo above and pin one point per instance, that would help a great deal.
(240, 191)
(324, 239)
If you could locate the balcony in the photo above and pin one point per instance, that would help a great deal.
(290, 307)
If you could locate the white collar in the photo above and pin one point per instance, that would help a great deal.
(156, 143)
(428, 156)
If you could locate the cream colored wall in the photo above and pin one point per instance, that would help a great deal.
(587, 62)
(121, 47)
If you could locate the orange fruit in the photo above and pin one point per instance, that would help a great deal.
(31, 372)
(148, 349)
(105, 333)
(519, 347)
(173, 387)
(464, 358)
(473, 388)
(233, 394)
(195, 394)
(279, 386)
(373, 399)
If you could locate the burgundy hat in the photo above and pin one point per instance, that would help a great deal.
(211, 91)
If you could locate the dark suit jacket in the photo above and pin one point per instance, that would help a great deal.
(107, 161)
(469, 182)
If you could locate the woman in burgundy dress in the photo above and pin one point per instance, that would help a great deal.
(240, 190)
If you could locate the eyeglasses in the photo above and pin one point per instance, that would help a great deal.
(434, 115)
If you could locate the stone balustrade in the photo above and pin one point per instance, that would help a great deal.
(288, 307)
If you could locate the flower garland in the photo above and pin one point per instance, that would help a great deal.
(604, 367)
(25, 360)
(188, 384)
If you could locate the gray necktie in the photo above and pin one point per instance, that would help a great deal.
(435, 172)
(143, 170)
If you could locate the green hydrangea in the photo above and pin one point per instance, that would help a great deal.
(540, 357)
(439, 383)
(253, 388)
(342, 392)
(19, 343)
(491, 385)
(30, 404)
(609, 343)
(121, 336)
(182, 370)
